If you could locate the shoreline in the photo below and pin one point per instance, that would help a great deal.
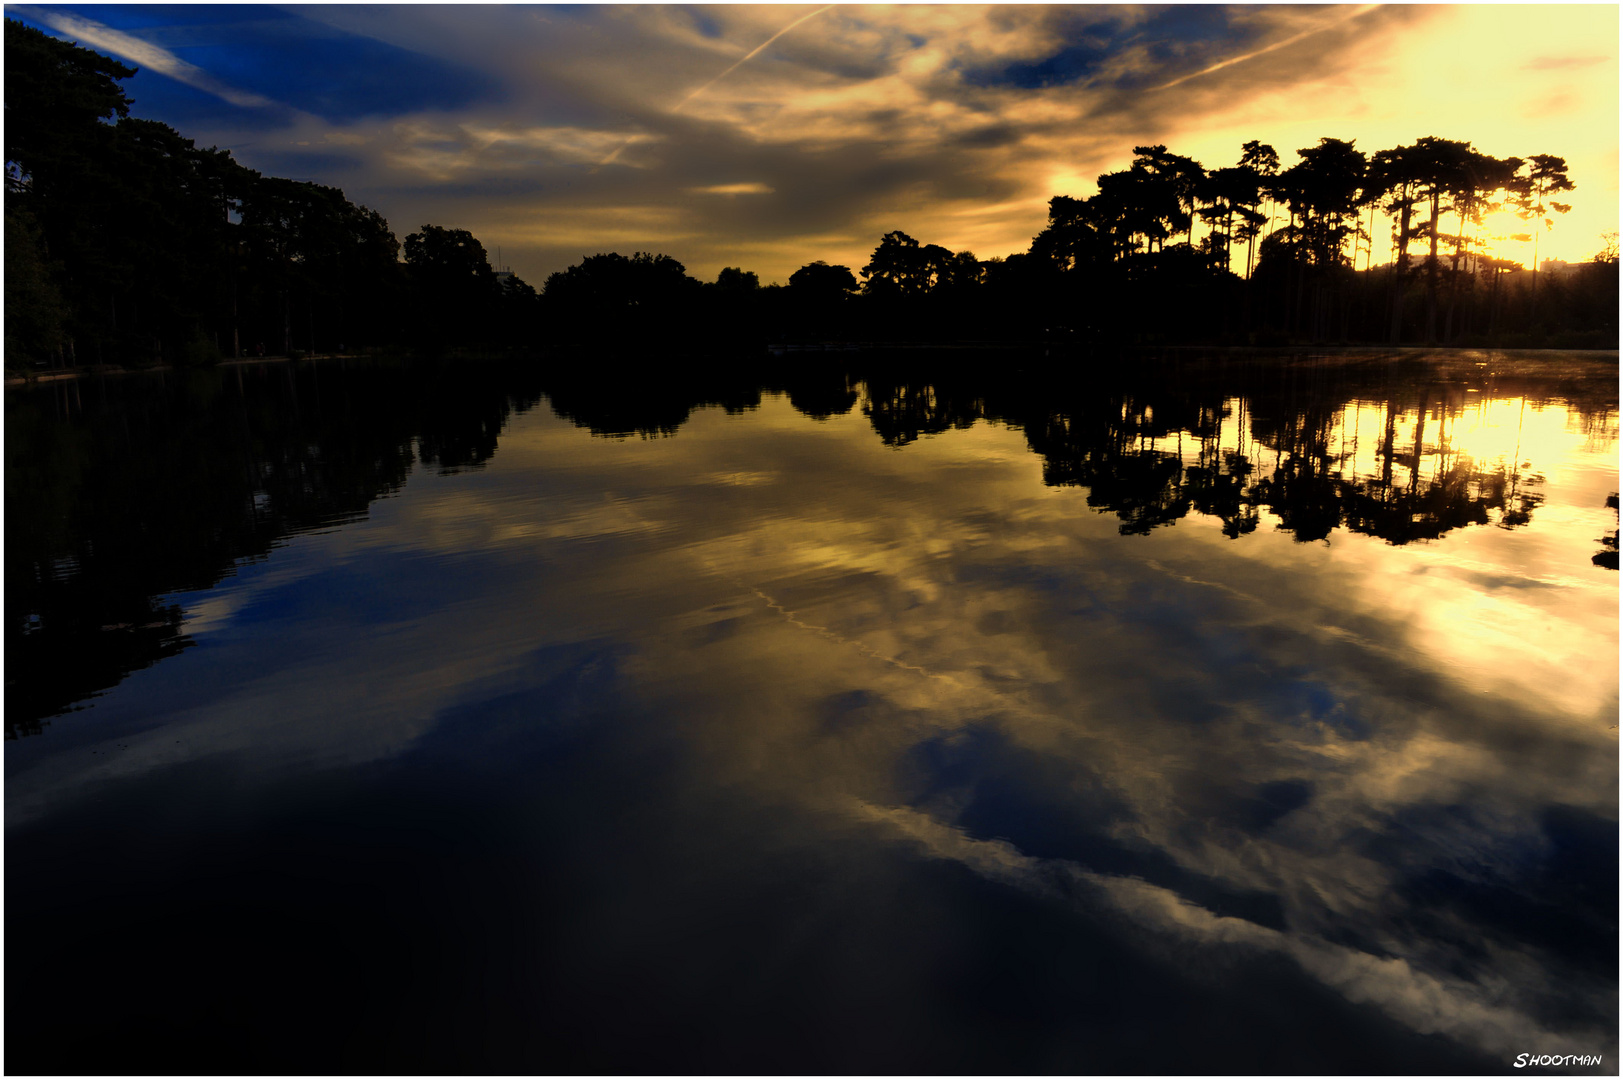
(110, 369)
(780, 349)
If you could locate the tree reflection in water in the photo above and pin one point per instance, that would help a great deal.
(1153, 453)
(123, 492)
(766, 704)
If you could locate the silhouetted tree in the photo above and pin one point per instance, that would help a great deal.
(454, 285)
(161, 249)
(133, 244)
(1397, 176)
(1322, 193)
(608, 297)
(1546, 176)
(733, 279)
(818, 300)
(35, 314)
(1169, 187)
(897, 267)
(1261, 162)
(821, 280)
(520, 311)
(1475, 186)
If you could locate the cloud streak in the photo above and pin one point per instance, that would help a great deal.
(148, 55)
(1292, 40)
(1423, 1002)
(752, 54)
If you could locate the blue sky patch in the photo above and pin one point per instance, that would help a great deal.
(286, 58)
(1180, 40)
(704, 24)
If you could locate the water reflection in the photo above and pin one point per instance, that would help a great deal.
(1607, 555)
(120, 493)
(821, 725)
(1338, 452)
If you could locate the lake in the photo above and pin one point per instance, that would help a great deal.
(853, 712)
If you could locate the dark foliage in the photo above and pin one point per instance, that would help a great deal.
(129, 244)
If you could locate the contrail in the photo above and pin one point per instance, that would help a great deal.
(746, 58)
(750, 56)
(1292, 40)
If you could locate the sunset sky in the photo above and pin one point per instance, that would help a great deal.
(769, 136)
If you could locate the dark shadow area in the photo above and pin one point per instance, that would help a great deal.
(545, 882)
(454, 911)
(122, 491)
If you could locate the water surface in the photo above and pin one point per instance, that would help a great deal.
(1216, 714)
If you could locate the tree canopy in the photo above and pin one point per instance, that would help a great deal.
(128, 243)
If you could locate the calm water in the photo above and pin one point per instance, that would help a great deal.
(1219, 715)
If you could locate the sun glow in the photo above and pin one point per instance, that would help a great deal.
(1460, 434)
(1539, 80)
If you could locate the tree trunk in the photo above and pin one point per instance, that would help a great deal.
(1431, 268)
(1532, 309)
(1400, 267)
(1454, 280)
(1493, 307)
(1228, 234)
(1369, 251)
(1251, 241)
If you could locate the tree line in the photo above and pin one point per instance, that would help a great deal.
(1168, 251)
(128, 244)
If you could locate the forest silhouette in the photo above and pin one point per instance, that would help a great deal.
(127, 244)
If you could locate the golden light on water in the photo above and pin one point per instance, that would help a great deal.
(894, 621)
(1461, 437)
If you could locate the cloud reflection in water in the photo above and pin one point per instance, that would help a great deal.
(1391, 763)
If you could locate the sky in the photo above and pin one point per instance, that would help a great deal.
(770, 136)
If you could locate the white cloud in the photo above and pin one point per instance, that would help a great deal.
(145, 54)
